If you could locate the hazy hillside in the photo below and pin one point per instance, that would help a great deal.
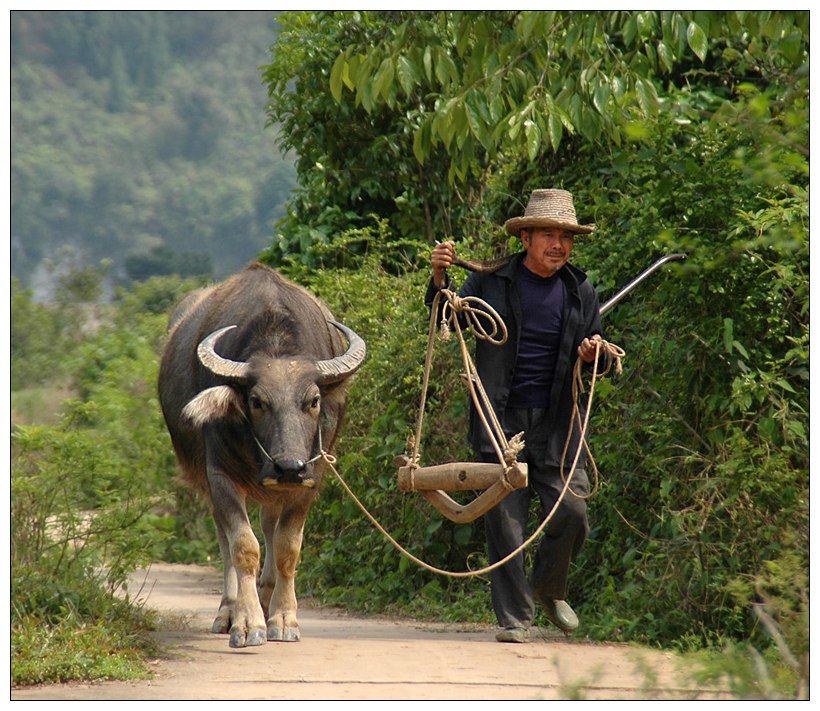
(138, 137)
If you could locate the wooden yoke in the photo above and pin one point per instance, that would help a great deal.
(431, 482)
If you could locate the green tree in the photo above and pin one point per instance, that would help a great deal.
(137, 129)
(351, 163)
(118, 93)
(164, 261)
(33, 331)
(484, 83)
(469, 94)
(676, 131)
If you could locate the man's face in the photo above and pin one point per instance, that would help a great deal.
(548, 249)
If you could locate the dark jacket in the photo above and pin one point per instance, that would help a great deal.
(496, 364)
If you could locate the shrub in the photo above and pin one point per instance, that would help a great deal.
(94, 496)
(345, 559)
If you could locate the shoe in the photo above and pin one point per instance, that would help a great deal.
(513, 634)
(561, 615)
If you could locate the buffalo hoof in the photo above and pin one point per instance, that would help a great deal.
(243, 638)
(276, 633)
(222, 621)
(221, 625)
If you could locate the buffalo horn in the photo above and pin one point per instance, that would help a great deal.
(338, 368)
(224, 367)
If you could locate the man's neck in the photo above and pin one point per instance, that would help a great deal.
(542, 272)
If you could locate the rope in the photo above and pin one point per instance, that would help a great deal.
(616, 354)
(264, 451)
(507, 450)
(496, 334)
(331, 461)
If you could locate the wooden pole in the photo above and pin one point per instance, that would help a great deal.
(494, 481)
(459, 476)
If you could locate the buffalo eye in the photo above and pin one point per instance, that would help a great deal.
(255, 402)
(313, 402)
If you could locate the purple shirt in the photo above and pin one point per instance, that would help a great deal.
(542, 308)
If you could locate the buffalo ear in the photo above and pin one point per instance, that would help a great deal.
(217, 403)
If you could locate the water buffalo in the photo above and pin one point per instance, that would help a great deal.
(253, 384)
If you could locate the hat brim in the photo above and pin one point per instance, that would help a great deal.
(516, 224)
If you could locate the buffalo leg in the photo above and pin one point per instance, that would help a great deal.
(222, 622)
(269, 515)
(247, 621)
(283, 538)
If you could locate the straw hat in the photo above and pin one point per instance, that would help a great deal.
(548, 208)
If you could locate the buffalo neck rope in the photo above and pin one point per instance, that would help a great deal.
(507, 450)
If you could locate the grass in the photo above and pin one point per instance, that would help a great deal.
(74, 650)
(75, 630)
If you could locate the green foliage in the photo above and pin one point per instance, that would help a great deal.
(154, 297)
(41, 331)
(676, 131)
(93, 476)
(345, 560)
(164, 261)
(484, 83)
(781, 671)
(78, 528)
(94, 496)
(409, 115)
(35, 332)
(138, 136)
(71, 629)
(342, 173)
(349, 250)
(706, 444)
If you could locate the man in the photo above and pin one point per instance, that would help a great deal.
(552, 315)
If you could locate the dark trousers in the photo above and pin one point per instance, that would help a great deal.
(513, 592)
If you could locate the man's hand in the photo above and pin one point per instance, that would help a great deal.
(441, 259)
(586, 351)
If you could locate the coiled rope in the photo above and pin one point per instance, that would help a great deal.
(474, 310)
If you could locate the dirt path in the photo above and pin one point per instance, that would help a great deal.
(342, 657)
